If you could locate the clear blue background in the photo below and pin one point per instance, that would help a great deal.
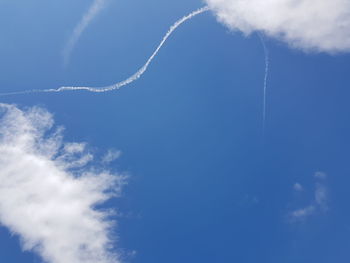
(205, 185)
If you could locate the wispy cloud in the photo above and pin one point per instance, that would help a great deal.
(298, 187)
(320, 175)
(302, 213)
(49, 190)
(111, 156)
(307, 24)
(321, 196)
(319, 202)
(87, 18)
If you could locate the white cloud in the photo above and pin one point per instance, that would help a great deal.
(303, 212)
(111, 156)
(48, 195)
(312, 25)
(320, 175)
(319, 202)
(298, 187)
(321, 196)
(93, 11)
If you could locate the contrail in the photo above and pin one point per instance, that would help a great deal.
(142, 70)
(92, 12)
(267, 65)
(129, 80)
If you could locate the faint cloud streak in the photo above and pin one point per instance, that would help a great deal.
(85, 21)
(298, 187)
(111, 156)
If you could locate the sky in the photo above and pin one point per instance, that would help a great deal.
(176, 166)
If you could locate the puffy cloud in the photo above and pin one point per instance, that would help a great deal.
(49, 190)
(312, 25)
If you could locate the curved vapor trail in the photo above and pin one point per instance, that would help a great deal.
(267, 65)
(133, 77)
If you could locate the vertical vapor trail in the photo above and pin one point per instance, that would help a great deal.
(267, 65)
(92, 12)
(133, 77)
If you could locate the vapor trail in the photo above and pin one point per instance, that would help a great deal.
(142, 70)
(92, 12)
(129, 80)
(267, 64)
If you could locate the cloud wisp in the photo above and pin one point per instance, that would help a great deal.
(310, 25)
(49, 190)
(298, 187)
(129, 80)
(111, 156)
(319, 202)
(85, 21)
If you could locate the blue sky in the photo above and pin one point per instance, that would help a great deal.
(204, 184)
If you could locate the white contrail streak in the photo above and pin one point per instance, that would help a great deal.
(267, 65)
(132, 78)
(142, 70)
(92, 12)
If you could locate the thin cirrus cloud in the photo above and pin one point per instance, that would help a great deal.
(310, 25)
(49, 191)
(95, 8)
